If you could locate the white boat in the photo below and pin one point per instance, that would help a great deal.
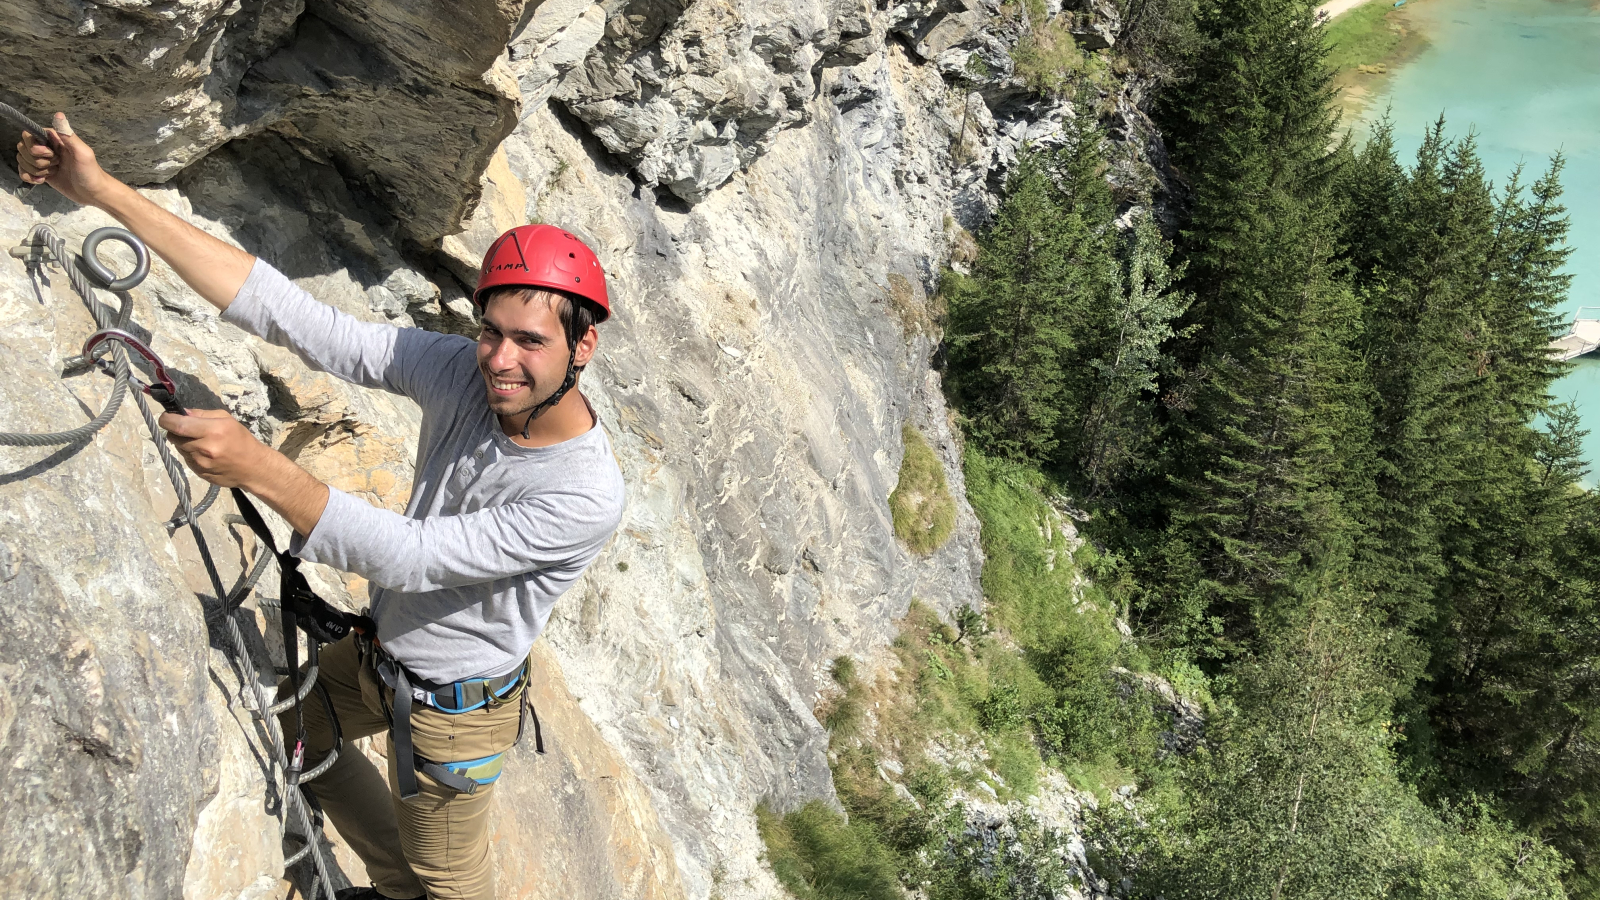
(1582, 337)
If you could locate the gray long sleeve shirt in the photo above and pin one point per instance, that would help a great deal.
(464, 582)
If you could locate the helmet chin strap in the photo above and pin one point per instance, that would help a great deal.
(553, 399)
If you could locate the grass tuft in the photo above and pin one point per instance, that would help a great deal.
(818, 855)
(923, 510)
(842, 716)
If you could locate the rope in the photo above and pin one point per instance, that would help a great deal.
(258, 701)
(261, 704)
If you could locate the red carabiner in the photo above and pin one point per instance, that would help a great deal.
(168, 393)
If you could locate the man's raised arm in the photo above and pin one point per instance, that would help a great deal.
(213, 268)
(220, 449)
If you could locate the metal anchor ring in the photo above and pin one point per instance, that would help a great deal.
(91, 259)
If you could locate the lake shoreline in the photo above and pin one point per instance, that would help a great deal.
(1365, 77)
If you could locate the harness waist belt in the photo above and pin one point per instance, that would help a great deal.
(465, 696)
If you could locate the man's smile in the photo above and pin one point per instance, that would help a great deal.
(505, 387)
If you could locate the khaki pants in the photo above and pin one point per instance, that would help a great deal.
(436, 843)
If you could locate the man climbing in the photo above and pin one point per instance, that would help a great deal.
(516, 491)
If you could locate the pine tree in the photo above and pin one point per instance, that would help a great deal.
(1509, 496)
(1296, 794)
(1046, 270)
(1264, 423)
(1118, 422)
(1426, 284)
(1252, 121)
(1372, 188)
(1258, 456)
(1516, 698)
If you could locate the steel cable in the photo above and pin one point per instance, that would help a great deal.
(23, 122)
(44, 238)
(253, 691)
(261, 705)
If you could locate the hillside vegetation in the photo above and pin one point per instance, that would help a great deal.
(1324, 484)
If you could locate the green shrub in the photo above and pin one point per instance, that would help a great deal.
(1102, 735)
(970, 624)
(1002, 710)
(1048, 58)
(923, 510)
(1022, 863)
(1048, 61)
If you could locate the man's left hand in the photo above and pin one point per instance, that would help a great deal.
(217, 447)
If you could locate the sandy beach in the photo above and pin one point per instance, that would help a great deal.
(1336, 8)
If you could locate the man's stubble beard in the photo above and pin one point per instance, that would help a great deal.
(500, 407)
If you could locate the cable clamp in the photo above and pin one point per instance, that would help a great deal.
(33, 249)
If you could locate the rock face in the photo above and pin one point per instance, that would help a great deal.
(407, 100)
(691, 93)
(97, 711)
(773, 189)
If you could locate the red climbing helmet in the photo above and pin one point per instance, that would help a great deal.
(544, 256)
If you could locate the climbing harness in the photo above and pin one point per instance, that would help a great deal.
(458, 697)
(301, 608)
(113, 339)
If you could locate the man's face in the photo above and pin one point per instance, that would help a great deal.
(522, 351)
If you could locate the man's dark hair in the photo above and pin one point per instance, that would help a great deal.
(577, 317)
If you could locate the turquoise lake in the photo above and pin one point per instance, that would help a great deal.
(1525, 76)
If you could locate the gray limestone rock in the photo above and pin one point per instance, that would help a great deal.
(690, 94)
(104, 663)
(155, 82)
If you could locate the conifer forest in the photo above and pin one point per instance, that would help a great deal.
(1307, 428)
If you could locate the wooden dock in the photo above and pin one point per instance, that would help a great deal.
(1583, 337)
